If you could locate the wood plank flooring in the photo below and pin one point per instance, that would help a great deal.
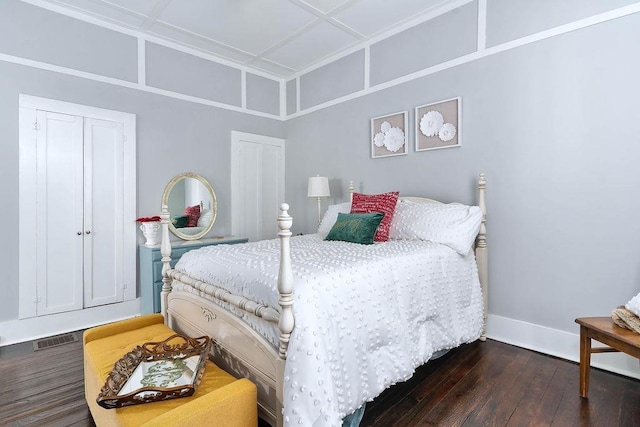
(479, 384)
(42, 388)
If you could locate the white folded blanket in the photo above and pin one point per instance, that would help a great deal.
(634, 305)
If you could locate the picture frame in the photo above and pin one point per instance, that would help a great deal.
(437, 125)
(389, 135)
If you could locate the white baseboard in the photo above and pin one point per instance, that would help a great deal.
(21, 330)
(557, 343)
(534, 337)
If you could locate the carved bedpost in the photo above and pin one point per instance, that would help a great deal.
(481, 252)
(351, 191)
(165, 251)
(285, 280)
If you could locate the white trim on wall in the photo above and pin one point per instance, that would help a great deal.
(283, 98)
(554, 342)
(16, 331)
(441, 10)
(142, 38)
(297, 94)
(367, 66)
(482, 52)
(523, 41)
(131, 85)
(148, 37)
(243, 88)
(482, 25)
(142, 62)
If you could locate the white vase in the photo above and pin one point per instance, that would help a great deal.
(151, 232)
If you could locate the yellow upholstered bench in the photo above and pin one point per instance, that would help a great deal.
(219, 400)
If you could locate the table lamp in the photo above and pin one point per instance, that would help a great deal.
(318, 187)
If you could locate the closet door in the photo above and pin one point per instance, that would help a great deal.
(59, 213)
(103, 212)
(77, 210)
(257, 185)
(271, 188)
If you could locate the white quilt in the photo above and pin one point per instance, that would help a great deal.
(365, 315)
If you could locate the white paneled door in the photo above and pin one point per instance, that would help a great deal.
(103, 207)
(257, 185)
(59, 217)
(79, 228)
(77, 207)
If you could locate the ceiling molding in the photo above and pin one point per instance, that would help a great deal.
(193, 36)
(155, 13)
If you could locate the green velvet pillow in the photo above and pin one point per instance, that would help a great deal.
(356, 228)
(180, 221)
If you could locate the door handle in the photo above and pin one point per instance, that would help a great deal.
(88, 231)
(79, 233)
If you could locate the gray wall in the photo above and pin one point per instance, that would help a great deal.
(330, 82)
(173, 136)
(291, 96)
(511, 19)
(554, 126)
(440, 39)
(34, 33)
(263, 94)
(183, 73)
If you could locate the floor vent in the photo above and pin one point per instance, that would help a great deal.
(55, 341)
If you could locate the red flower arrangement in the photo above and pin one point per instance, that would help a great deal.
(148, 219)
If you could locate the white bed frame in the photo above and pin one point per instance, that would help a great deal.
(238, 348)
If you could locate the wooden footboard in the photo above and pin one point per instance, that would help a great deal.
(237, 348)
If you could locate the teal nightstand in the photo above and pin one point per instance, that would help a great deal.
(151, 267)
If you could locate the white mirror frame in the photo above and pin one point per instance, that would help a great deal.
(214, 208)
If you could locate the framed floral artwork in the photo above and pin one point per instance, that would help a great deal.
(389, 135)
(438, 125)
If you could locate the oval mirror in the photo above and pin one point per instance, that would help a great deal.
(192, 205)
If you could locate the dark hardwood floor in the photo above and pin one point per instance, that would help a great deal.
(479, 384)
(43, 388)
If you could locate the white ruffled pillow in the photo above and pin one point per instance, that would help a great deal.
(331, 216)
(634, 305)
(453, 225)
(205, 218)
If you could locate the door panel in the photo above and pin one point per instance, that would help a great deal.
(248, 211)
(271, 195)
(257, 180)
(59, 216)
(103, 233)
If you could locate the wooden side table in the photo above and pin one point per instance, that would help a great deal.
(603, 329)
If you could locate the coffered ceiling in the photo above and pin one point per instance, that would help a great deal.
(279, 37)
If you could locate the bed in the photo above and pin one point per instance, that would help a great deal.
(322, 327)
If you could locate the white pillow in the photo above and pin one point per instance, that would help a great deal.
(634, 305)
(453, 225)
(205, 218)
(331, 216)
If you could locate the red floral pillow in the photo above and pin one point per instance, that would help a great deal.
(193, 212)
(385, 203)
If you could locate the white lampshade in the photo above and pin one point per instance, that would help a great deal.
(318, 187)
